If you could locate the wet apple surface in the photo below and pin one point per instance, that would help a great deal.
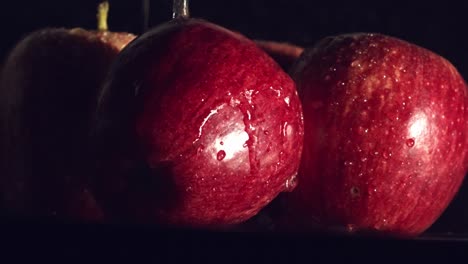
(385, 135)
(196, 127)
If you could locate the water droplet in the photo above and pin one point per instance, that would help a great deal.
(221, 143)
(354, 192)
(350, 228)
(266, 132)
(281, 155)
(360, 130)
(410, 142)
(287, 130)
(386, 154)
(188, 189)
(356, 64)
(291, 183)
(221, 154)
(364, 159)
(245, 144)
(348, 163)
(200, 148)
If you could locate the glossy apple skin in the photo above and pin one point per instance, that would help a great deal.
(49, 85)
(385, 136)
(196, 127)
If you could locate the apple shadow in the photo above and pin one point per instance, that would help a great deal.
(145, 197)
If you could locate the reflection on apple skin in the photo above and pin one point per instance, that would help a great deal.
(385, 135)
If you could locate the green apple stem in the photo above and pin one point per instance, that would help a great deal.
(180, 9)
(102, 14)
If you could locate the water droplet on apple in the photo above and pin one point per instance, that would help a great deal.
(348, 163)
(200, 148)
(386, 154)
(291, 183)
(188, 189)
(355, 192)
(281, 156)
(245, 144)
(221, 154)
(360, 130)
(350, 228)
(287, 130)
(410, 142)
(363, 159)
(266, 132)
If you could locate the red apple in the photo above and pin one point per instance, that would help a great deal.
(385, 135)
(196, 127)
(285, 54)
(49, 85)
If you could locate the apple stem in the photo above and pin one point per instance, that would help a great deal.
(146, 14)
(102, 14)
(180, 9)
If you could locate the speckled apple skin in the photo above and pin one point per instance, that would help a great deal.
(48, 89)
(385, 135)
(196, 127)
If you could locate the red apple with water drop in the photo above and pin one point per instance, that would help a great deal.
(196, 127)
(385, 136)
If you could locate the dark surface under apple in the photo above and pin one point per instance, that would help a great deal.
(197, 126)
(51, 241)
(385, 135)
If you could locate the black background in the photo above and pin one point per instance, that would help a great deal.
(440, 26)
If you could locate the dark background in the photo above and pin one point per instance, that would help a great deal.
(437, 25)
(440, 26)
